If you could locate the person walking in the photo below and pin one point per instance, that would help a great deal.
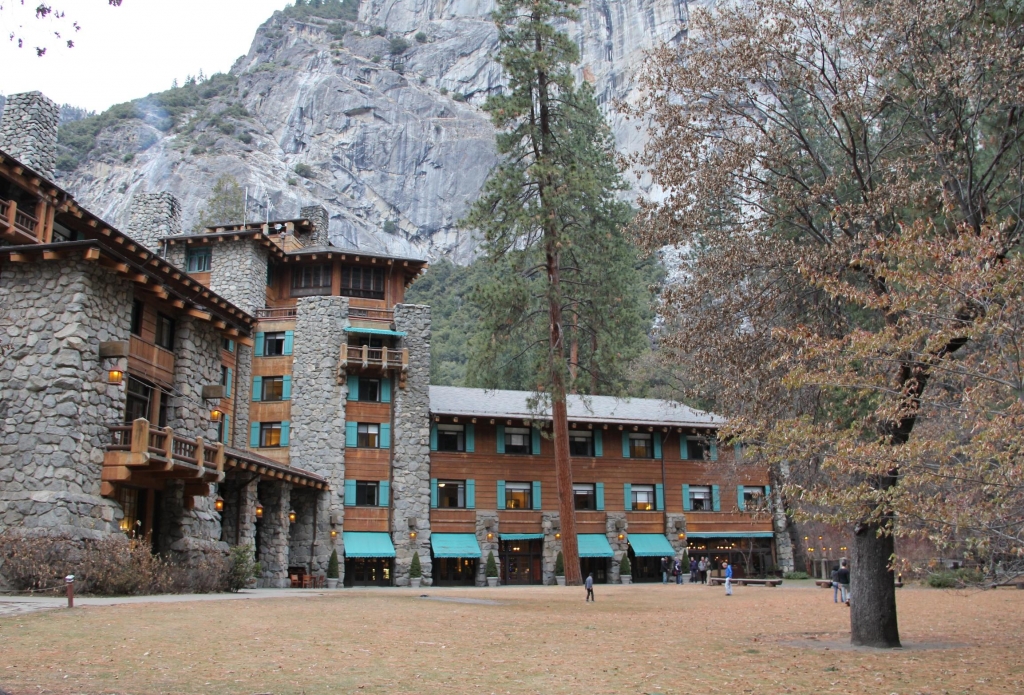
(589, 584)
(702, 568)
(664, 570)
(728, 579)
(835, 584)
(693, 570)
(843, 576)
(677, 571)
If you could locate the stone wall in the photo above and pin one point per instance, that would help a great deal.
(550, 526)
(410, 467)
(317, 214)
(487, 523)
(241, 391)
(672, 532)
(55, 402)
(197, 363)
(612, 522)
(153, 216)
(189, 535)
(28, 131)
(238, 273)
(275, 495)
(238, 521)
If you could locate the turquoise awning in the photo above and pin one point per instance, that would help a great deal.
(376, 331)
(522, 536)
(731, 534)
(454, 545)
(651, 545)
(594, 545)
(368, 544)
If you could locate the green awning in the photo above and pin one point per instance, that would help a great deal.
(522, 536)
(368, 544)
(594, 545)
(454, 545)
(651, 545)
(376, 331)
(731, 534)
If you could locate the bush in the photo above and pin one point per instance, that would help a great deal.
(953, 579)
(796, 575)
(378, 31)
(444, 91)
(332, 565)
(246, 138)
(390, 227)
(559, 565)
(624, 568)
(305, 171)
(421, 37)
(375, 59)
(323, 9)
(415, 569)
(491, 569)
(226, 128)
(459, 96)
(398, 46)
(244, 567)
(337, 30)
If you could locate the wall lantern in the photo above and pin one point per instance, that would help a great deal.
(490, 536)
(682, 536)
(115, 376)
(334, 533)
(259, 510)
(412, 535)
(125, 525)
(558, 536)
(292, 516)
(218, 504)
(215, 415)
(622, 536)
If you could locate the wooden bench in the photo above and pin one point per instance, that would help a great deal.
(719, 581)
(827, 583)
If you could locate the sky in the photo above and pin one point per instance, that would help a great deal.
(125, 52)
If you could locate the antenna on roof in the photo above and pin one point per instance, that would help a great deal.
(245, 205)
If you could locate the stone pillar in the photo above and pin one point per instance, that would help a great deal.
(551, 525)
(675, 524)
(317, 214)
(612, 522)
(238, 273)
(188, 535)
(242, 395)
(318, 411)
(410, 466)
(197, 345)
(238, 520)
(487, 523)
(28, 131)
(152, 216)
(275, 495)
(303, 534)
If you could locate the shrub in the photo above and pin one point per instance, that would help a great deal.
(291, 182)
(226, 128)
(415, 569)
(324, 9)
(952, 579)
(378, 31)
(305, 171)
(559, 565)
(624, 568)
(390, 227)
(337, 29)
(244, 567)
(796, 575)
(421, 37)
(375, 59)
(491, 569)
(444, 91)
(398, 46)
(332, 565)
(459, 96)
(246, 138)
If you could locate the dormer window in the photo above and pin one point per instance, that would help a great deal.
(311, 280)
(357, 281)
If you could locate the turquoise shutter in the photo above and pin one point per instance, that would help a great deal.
(353, 387)
(501, 495)
(470, 494)
(350, 493)
(535, 436)
(740, 504)
(231, 346)
(257, 388)
(737, 451)
(599, 494)
(226, 437)
(385, 390)
(657, 444)
(254, 435)
(659, 497)
(684, 447)
(286, 388)
(598, 443)
(716, 499)
(383, 493)
(228, 385)
(714, 450)
(470, 438)
(433, 493)
(627, 496)
(385, 436)
(259, 345)
(289, 341)
(687, 507)
(501, 444)
(351, 434)
(768, 495)
(433, 437)
(285, 432)
(625, 445)
(536, 494)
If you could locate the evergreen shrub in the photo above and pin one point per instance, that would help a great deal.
(491, 569)
(559, 565)
(332, 565)
(415, 569)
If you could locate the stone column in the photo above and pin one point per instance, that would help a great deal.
(196, 363)
(242, 396)
(410, 488)
(275, 495)
(612, 522)
(152, 216)
(487, 523)
(317, 214)
(551, 525)
(28, 131)
(238, 520)
(303, 532)
(238, 273)
(678, 544)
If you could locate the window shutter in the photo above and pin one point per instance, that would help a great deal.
(716, 499)
(227, 389)
(627, 496)
(599, 495)
(501, 495)
(433, 437)
(351, 434)
(535, 436)
(714, 450)
(598, 443)
(285, 432)
(470, 438)
(657, 444)
(384, 493)
(286, 387)
(470, 494)
(385, 390)
(258, 350)
(501, 447)
(225, 438)
(737, 451)
(353, 387)
(257, 388)
(350, 493)
(536, 493)
(625, 445)
(254, 435)
(289, 340)
(768, 496)
(740, 503)
(433, 493)
(687, 505)
(385, 436)
(659, 497)
(684, 447)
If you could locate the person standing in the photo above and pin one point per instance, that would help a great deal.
(693, 570)
(589, 584)
(728, 579)
(835, 584)
(843, 576)
(702, 569)
(664, 570)
(677, 571)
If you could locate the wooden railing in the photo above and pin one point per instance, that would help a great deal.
(283, 313)
(18, 219)
(146, 442)
(365, 356)
(368, 314)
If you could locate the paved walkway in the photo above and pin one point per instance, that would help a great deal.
(17, 605)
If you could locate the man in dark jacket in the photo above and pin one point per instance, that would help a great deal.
(589, 584)
(843, 576)
(664, 570)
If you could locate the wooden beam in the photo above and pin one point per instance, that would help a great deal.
(52, 256)
(199, 314)
(92, 254)
(178, 304)
(19, 258)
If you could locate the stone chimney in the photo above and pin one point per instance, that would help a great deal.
(28, 131)
(317, 214)
(152, 216)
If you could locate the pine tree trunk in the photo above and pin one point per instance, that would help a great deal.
(873, 588)
(566, 506)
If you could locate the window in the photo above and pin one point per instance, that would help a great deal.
(698, 449)
(165, 331)
(366, 493)
(640, 446)
(357, 281)
(700, 498)
(517, 441)
(581, 444)
(222, 434)
(369, 390)
(643, 498)
(165, 409)
(451, 494)
(368, 436)
(228, 345)
(270, 434)
(311, 280)
(138, 401)
(518, 496)
(273, 388)
(273, 344)
(225, 380)
(138, 309)
(583, 496)
(753, 497)
(451, 438)
(198, 260)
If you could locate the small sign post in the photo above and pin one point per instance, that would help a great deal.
(69, 581)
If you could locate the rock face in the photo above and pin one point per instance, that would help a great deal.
(394, 146)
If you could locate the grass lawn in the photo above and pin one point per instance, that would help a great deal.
(635, 639)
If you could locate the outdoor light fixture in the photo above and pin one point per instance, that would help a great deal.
(622, 536)
(682, 536)
(490, 536)
(125, 525)
(218, 504)
(412, 535)
(292, 516)
(558, 536)
(334, 533)
(115, 376)
(259, 510)
(215, 415)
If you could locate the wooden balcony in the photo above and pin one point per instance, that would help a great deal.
(282, 313)
(150, 362)
(359, 314)
(17, 224)
(381, 358)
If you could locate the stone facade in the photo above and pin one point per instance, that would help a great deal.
(238, 273)
(242, 395)
(238, 520)
(410, 486)
(153, 216)
(317, 214)
(550, 526)
(55, 402)
(28, 131)
(196, 364)
(675, 524)
(615, 524)
(188, 535)
(487, 524)
(274, 533)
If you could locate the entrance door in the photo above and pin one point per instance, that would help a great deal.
(597, 565)
(454, 571)
(521, 562)
(368, 571)
(645, 569)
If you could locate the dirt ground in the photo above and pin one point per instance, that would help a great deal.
(635, 639)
